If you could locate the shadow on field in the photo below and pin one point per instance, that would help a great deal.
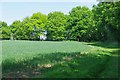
(112, 69)
(106, 44)
(116, 52)
(57, 65)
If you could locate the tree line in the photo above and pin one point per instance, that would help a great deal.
(102, 23)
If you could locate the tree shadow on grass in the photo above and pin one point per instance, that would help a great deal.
(112, 69)
(106, 44)
(57, 65)
(34, 66)
(116, 52)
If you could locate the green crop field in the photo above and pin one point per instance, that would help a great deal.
(56, 59)
(29, 49)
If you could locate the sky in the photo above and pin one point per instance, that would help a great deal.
(18, 10)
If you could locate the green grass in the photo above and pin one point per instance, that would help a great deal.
(19, 50)
(65, 59)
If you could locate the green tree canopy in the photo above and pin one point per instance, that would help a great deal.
(81, 24)
(15, 29)
(80, 20)
(56, 26)
(5, 30)
(30, 28)
(106, 15)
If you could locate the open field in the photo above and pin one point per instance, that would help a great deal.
(64, 59)
(29, 49)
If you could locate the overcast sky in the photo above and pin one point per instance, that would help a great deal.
(17, 10)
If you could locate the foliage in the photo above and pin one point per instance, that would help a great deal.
(5, 31)
(56, 26)
(38, 21)
(79, 24)
(30, 28)
(16, 29)
(0, 30)
(107, 20)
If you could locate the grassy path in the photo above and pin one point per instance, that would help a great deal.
(112, 66)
